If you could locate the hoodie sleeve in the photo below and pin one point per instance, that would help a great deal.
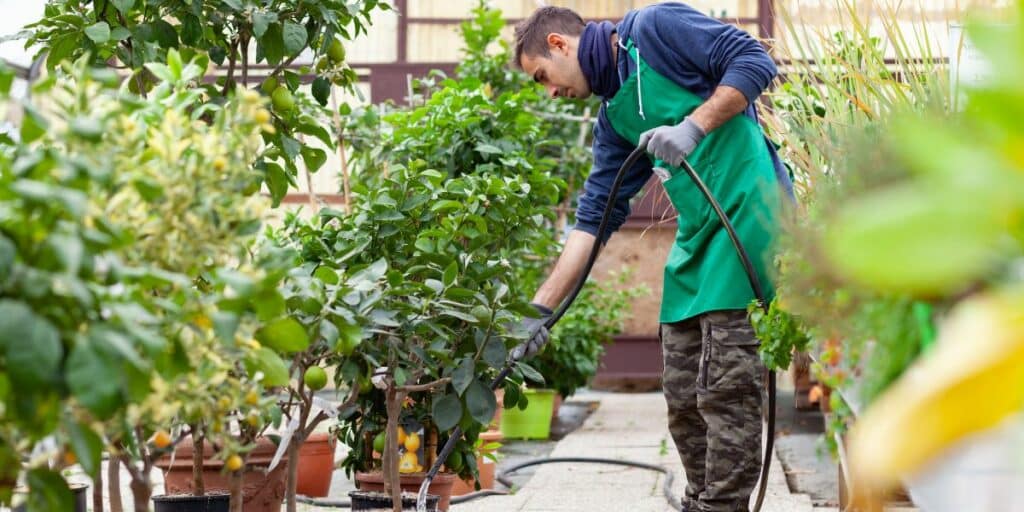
(610, 151)
(693, 42)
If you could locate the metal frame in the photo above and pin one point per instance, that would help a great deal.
(388, 80)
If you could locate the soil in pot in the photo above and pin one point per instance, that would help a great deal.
(80, 492)
(441, 485)
(187, 503)
(261, 491)
(316, 465)
(373, 501)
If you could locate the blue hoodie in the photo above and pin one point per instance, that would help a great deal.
(695, 51)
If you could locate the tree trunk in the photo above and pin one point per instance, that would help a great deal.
(293, 470)
(114, 483)
(235, 485)
(97, 491)
(392, 482)
(198, 442)
(142, 491)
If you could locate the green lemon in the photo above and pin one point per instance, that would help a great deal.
(323, 65)
(337, 51)
(379, 442)
(315, 378)
(269, 85)
(282, 99)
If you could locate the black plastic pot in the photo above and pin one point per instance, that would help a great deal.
(372, 501)
(186, 503)
(79, 491)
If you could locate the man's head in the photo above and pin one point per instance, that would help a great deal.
(546, 46)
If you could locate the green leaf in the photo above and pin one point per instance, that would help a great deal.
(463, 375)
(33, 124)
(294, 36)
(277, 182)
(481, 402)
(49, 491)
(123, 5)
(446, 412)
(119, 34)
(165, 34)
(329, 333)
(260, 21)
(488, 149)
(7, 254)
(225, 324)
(326, 275)
(269, 304)
(284, 335)
(275, 370)
(912, 239)
(494, 352)
(98, 32)
(272, 44)
(61, 48)
(310, 127)
(87, 445)
(530, 373)
(450, 273)
(174, 63)
(93, 379)
(314, 158)
(446, 205)
(31, 343)
(191, 30)
(321, 90)
(161, 71)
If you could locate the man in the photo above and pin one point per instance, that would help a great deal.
(685, 85)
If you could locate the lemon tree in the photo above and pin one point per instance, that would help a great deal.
(136, 34)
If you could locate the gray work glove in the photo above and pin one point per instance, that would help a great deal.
(537, 334)
(672, 144)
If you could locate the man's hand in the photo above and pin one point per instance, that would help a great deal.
(672, 144)
(537, 334)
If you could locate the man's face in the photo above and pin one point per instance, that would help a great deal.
(559, 73)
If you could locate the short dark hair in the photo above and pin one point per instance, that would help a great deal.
(532, 33)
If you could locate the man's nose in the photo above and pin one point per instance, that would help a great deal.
(552, 91)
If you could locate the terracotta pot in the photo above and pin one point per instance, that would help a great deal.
(261, 491)
(485, 467)
(555, 405)
(499, 395)
(316, 465)
(410, 482)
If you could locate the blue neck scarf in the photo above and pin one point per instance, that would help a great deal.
(595, 56)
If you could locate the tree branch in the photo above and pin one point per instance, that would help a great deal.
(424, 387)
(231, 66)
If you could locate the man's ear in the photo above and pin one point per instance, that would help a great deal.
(557, 42)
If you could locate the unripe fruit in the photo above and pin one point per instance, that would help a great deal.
(269, 85)
(380, 442)
(282, 99)
(337, 51)
(262, 116)
(315, 378)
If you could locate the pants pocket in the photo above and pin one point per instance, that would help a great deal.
(732, 361)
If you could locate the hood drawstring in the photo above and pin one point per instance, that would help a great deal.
(639, 84)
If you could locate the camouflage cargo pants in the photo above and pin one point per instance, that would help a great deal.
(713, 385)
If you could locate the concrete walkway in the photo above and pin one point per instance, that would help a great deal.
(625, 426)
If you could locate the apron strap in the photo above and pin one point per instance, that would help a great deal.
(639, 69)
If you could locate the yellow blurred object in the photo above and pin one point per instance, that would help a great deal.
(409, 463)
(401, 436)
(970, 382)
(412, 442)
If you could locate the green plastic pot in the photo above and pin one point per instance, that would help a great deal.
(534, 422)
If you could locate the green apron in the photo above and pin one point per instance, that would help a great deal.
(703, 272)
